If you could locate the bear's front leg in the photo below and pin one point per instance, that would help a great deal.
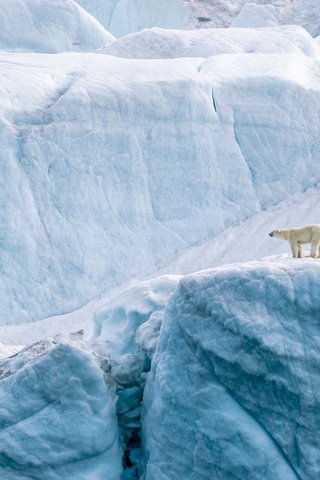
(300, 251)
(294, 248)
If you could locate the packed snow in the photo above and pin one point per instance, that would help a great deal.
(233, 386)
(47, 26)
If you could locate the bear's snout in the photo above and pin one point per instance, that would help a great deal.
(271, 234)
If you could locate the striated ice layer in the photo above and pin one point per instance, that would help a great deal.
(57, 416)
(233, 388)
(49, 26)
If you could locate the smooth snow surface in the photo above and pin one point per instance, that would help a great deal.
(48, 26)
(57, 417)
(233, 388)
(110, 167)
(162, 43)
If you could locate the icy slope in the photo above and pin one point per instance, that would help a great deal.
(235, 375)
(162, 43)
(263, 13)
(112, 166)
(47, 26)
(250, 240)
(57, 418)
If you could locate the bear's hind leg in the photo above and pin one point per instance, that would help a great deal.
(315, 249)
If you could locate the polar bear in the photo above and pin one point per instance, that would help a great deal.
(297, 236)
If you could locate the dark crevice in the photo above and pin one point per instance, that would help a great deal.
(214, 102)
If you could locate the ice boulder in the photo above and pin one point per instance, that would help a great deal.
(161, 43)
(57, 416)
(233, 390)
(47, 26)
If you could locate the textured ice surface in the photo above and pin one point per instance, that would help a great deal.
(48, 26)
(110, 167)
(57, 417)
(233, 388)
(162, 43)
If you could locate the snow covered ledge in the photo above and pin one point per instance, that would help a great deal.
(234, 385)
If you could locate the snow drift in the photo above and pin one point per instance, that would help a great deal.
(47, 26)
(57, 418)
(111, 166)
(235, 375)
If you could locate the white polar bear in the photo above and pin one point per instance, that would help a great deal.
(297, 236)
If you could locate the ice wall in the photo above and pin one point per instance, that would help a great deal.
(233, 388)
(111, 166)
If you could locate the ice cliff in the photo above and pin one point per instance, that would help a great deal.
(233, 388)
(111, 166)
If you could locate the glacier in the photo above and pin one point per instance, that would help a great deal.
(140, 145)
(112, 166)
(233, 386)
